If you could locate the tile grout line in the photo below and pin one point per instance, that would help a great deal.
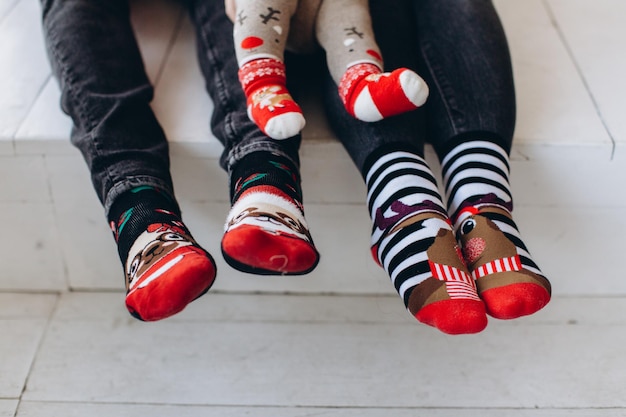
(9, 10)
(570, 52)
(44, 334)
(170, 47)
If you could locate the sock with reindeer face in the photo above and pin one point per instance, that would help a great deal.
(270, 104)
(476, 176)
(266, 232)
(164, 267)
(260, 34)
(412, 240)
(371, 95)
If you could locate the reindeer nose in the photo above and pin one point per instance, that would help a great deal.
(473, 248)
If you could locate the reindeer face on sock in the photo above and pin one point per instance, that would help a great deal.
(270, 98)
(473, 234)
(273, 220)
(152, 246)
(355, 45)
(271, 25)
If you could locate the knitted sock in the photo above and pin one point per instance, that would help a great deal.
(412, 240)
(266, 232)
(270, 105)
(165, 268)
(371, 95)
(476, 176)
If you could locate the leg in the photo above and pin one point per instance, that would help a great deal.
(471, 124)
(265, 232)
(107, 94)
(344, 29)
(412, 237)
(260, 32)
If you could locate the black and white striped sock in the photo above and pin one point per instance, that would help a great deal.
(412, 240)
(476, 180)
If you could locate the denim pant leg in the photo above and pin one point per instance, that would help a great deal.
(459, 48)
(466, 62)
(395, 32)
(94, 56)
(230, 122)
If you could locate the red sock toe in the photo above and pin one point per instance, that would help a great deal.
(169, 285)
(454, 316)
(260, 251)
(515, 300)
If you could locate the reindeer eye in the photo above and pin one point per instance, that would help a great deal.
(467, 226)
(167, 237)
(134, 266)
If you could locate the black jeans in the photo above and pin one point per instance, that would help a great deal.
(106, 92)
(458, 46)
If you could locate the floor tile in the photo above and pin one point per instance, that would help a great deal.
(45, 129)
(26, 306)
(521, 364)
(554, 106)
(594, 32)
(20, 84)
(199, 179)
(8, 408)
(181, 103)
(45, 409)
(23, 319)
(329, 176)
(155, 23)
(5, 8)
(568, 182)
(578, 255)
(7, 147)
(23, 179)
(31, 258)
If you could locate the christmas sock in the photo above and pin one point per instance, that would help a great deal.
(412, 240)
(371, 95)
(476, 176)
(270, 105)
(165, 268)
(266, 232)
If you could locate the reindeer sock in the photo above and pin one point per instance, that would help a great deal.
(412, 240)
(371, 95)
(266, 232)
(165, 268)
(270, 105)
(476, 176)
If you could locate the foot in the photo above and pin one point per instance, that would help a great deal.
(508, 281)
(370, 95)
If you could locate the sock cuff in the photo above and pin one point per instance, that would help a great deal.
(145, 196)
(478, 135)
(352, 76)
(388, 148)
(265, 168)
(259, 72)
(135, 209)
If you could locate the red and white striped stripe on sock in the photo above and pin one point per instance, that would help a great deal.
(459, 283)
(411, 238)
(476, 179)
(509, 264)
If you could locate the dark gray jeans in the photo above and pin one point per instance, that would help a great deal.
(105, 90)
(458, 46)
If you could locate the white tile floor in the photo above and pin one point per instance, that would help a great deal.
(337, 342)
